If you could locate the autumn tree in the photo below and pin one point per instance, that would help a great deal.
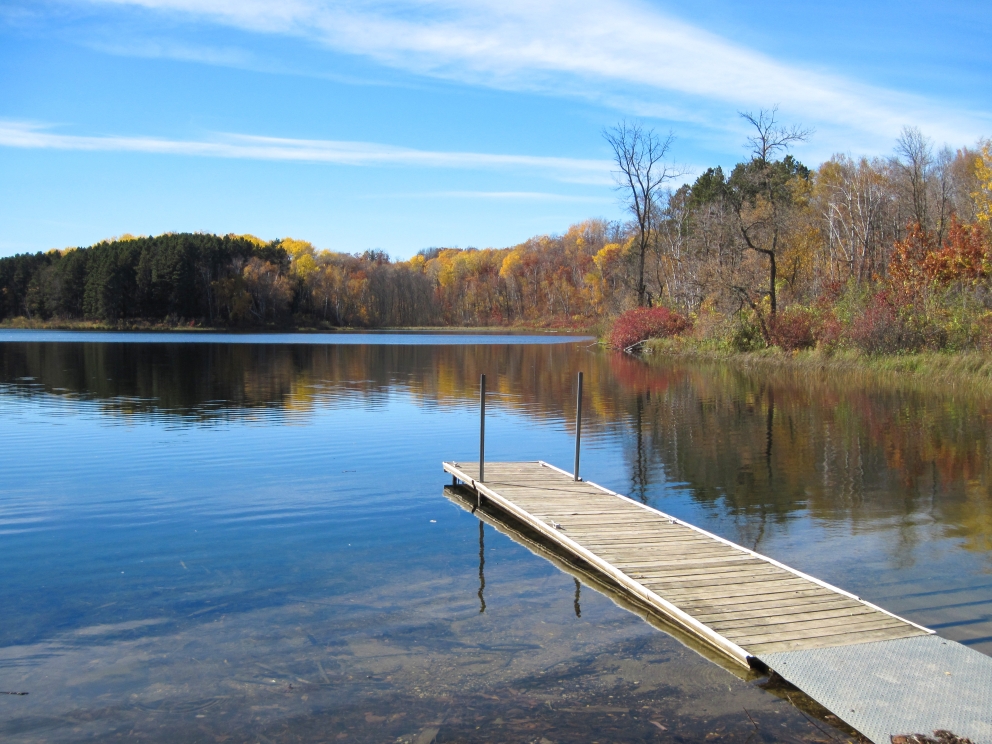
(983, 193)
(853, 198)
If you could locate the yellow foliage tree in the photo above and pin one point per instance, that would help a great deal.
(418, 263)
(302, 256)
(250, 238)
(983, 197)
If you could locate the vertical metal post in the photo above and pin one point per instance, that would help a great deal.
(578, 426)
(482, 429)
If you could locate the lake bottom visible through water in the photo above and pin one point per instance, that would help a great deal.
(405, 655)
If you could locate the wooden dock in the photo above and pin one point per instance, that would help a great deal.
(742, 603)
(881, 674)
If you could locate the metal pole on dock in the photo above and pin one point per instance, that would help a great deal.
(482, 428)
(578, 425)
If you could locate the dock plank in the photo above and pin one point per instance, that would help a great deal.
(730, 604)
(887, 634)
(760, 615)
(812, 629)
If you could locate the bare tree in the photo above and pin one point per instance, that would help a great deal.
(760, 188)
(943, 177)
(770, 137)
(672, 266)
(642, 171)
(915, 162)
(854, 197)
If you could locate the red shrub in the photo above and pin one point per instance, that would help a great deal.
(792, 329)
(829, 332)
(643, 323)
(881, 329)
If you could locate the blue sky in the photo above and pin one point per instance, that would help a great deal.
(401, 124)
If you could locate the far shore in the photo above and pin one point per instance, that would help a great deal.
(959, 372)
(149, 326)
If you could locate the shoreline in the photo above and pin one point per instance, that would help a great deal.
(145, 326)
(967, 372)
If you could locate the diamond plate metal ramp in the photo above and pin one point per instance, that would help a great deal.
(906, 686)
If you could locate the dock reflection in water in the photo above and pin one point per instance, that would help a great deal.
(235, 540)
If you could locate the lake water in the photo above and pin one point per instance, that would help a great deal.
(247, 538)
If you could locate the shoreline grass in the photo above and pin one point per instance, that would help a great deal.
(966, 372)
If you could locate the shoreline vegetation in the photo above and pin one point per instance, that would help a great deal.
(879, 266)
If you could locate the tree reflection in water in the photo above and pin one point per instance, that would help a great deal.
(752, 453)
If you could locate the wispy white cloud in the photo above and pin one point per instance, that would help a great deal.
(243, 146)
(585, 46)
(534, 196)
(157, 49)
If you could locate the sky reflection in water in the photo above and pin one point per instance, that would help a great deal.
(215, 539)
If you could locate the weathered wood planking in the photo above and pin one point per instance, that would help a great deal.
(739, 601)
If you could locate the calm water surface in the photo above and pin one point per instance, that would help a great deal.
(246, 538)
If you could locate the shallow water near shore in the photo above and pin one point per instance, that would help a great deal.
(247, 539)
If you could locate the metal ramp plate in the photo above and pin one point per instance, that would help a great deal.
(905, 686)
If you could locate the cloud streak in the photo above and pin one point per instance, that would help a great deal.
(534, 196)
(585, 46)
(27, 135)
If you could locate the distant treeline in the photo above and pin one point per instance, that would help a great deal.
(241, 280)
(169, 276)
(234, 280)
(883, 254)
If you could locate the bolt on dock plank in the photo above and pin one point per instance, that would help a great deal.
(747, 606)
